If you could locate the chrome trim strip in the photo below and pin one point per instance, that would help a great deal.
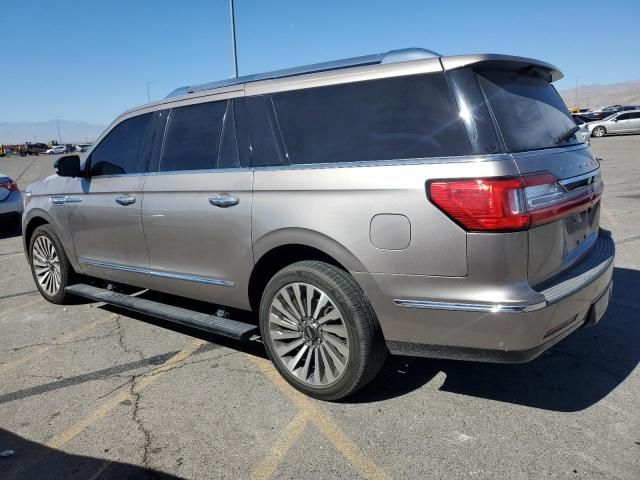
(72, 198)
(471, 307)
(560, 292)
(549, 151)
(568, 181)
(157, 273)
(63, 199)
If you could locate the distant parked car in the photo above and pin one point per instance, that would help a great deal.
(57, 150)
(10, 201)
(618, 123)
(607, 112)
(583, 133)
(82, 147)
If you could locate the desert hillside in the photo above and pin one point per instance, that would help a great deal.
(593, 96)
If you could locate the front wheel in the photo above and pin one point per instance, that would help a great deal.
(50, 266)
(320, 331)
(599, 132)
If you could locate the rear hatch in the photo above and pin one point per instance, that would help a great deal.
(535, 126)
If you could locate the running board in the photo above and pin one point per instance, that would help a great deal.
(210, 323)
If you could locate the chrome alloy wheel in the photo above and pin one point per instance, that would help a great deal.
(46, 265)
(308, 334)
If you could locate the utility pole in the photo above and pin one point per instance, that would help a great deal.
(576, 102)
(148, 94)
(233, 39)
(59, 136)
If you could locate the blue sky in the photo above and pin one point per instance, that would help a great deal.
(90, 60)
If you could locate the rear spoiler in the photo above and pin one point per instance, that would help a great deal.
(504, 62)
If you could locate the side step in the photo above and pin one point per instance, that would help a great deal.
(210, 323)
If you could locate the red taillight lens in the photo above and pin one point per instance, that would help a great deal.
(10, 185)
(509, 204)
(482, 204)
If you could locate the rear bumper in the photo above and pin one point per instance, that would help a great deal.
(517, 327)
(11, 205)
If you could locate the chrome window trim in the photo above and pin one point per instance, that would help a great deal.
(157, 273)
(471, 307)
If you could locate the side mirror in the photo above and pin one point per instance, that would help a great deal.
(614, 119)
(68, 166)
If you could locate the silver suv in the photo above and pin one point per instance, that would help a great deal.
(427, 205)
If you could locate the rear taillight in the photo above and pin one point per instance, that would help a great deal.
(10, 185)
(509, 204)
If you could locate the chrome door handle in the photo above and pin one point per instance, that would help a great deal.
(126, 200)
(223, 200)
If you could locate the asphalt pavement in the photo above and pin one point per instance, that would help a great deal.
(88, 391)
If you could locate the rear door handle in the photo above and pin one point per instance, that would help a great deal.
(223, 200)
(126, 200)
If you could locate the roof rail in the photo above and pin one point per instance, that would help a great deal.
(392, 56)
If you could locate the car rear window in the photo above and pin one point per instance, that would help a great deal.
(395, 118)
(529, 111)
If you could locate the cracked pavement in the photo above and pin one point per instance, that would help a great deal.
(147, 410)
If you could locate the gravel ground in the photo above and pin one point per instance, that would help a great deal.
(91, 392)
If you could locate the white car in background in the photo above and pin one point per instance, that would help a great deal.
(10, 201)
(57, 150)
(618, 123)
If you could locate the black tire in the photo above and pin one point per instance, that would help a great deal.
(599, 131)
(66, 271)
(366, 346)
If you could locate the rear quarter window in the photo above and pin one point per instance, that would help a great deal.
(398, 118)
(529, 111)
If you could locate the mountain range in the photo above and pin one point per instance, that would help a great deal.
(589, 96)
(70, 131)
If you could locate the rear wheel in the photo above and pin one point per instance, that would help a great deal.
(599, 132)
(50, 266)
(320, 331)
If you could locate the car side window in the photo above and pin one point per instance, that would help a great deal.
(192, 137)
(624, 116)
(394, 118)
(124, 149)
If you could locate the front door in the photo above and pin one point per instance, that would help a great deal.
(105, 216)
(197, 207)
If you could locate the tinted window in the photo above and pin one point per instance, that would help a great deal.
(192, 137)
(266, 140)
(406, 117)
(530, 113)
(229, 156)
(624, 116)
(635, 115)
(124, 149)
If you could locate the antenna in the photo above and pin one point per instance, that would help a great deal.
(233, 39)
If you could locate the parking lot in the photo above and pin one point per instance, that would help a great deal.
(88, 391)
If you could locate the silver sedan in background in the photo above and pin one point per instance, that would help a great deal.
(618, 123)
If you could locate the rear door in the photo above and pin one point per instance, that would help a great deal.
(197, 208)
(105, 217)
(624, 123)
(536, 127)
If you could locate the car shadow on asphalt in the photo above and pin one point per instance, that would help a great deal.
(31, 460)
(9, 229)
(573, 375)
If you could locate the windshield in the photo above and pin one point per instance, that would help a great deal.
(530, 113)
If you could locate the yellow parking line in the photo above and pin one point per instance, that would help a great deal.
(73, 431)
(60, 341)
(265, 469)
(327, 427)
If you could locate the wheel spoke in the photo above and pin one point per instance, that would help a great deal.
(332, 315)
(287, 298)
(326, 365)
(304, 372)
(309, 291)
(337, 344)
(289, 347)
(273, 318)
(316, 361)
(296, 291)
(276, 303)
(339, 330)
(322, 301)
(295, 360)
(288, 335)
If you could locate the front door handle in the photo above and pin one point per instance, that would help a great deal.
(224, 200)
(126, 200)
